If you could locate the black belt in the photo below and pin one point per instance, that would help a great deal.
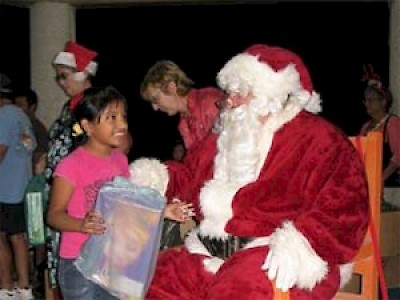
(223, 248)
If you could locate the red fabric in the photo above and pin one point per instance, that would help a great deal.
(181, 276)
(278, 58)
(203, 112)
(83, 56)
(73, 102)
(312, 176)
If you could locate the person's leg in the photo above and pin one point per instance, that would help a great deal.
(73, 285)
(102, 294)
(20, 249)
(6, 261)
(19, 242)
(21, 258)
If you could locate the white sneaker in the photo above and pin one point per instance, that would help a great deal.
(25, 294)
(9, 294)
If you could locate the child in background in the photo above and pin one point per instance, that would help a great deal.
(101, 122)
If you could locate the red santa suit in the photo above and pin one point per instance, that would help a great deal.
(295, 192)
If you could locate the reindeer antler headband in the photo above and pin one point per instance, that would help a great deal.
(371, 77)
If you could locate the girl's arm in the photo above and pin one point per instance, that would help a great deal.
(58, 218)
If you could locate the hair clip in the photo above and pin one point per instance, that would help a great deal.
(77, 129)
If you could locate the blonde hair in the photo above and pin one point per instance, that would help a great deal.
(163, 72)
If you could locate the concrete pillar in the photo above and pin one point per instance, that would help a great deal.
(394, 58)
(51, 25)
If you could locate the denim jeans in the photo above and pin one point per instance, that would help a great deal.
(75, 286)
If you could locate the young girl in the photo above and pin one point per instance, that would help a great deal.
(101, 121)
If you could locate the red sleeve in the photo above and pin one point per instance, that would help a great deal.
(336, 221)
(203, 113)
(187, 178)
(393, 135)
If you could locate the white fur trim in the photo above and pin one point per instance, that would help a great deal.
(258, 242)
(216, 205)
(65, 59)
(80, 76)
(151, 173)
(244, 74)
(213, 264)
(312, 268)
(91, 68)
(194, 245)
(68, 59)
(346, 271)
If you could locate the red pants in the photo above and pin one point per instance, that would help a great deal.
(181, 276)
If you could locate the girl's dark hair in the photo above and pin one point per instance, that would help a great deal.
(95, 101)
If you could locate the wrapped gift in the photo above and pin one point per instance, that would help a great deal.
(123, 259)
(35, 205)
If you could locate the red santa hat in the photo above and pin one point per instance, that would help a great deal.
(79, 58)
(273, 75)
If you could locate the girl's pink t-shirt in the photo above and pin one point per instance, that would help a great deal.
(87, 173)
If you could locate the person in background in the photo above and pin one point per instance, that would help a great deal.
(17, 142)
(179, 151)
(276, 192)
(74, 68)
(27, 100)
(5, 90)
(167, 87)
(378, 101)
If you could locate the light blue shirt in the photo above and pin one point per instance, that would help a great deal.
(16, 167)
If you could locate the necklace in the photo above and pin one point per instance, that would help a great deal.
(378, 124)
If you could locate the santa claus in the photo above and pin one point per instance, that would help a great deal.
(280, 193)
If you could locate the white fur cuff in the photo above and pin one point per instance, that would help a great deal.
(151, 173)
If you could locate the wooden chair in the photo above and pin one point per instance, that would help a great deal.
(365, 261)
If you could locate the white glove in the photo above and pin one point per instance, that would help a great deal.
(291, 260)
(282, 266)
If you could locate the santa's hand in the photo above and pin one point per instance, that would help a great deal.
(281, 267)
(291, 260)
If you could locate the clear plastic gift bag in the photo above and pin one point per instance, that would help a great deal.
(123, 259)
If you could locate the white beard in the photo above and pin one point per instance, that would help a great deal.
(236, 164)
(243, 146)
(238, 157)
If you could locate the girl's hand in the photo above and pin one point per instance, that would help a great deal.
(93, 223)
(179, 211)
(40, 163)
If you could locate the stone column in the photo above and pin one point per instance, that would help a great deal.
(51, 25)
(394, 58)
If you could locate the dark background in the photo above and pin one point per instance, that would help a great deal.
(334, 39)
